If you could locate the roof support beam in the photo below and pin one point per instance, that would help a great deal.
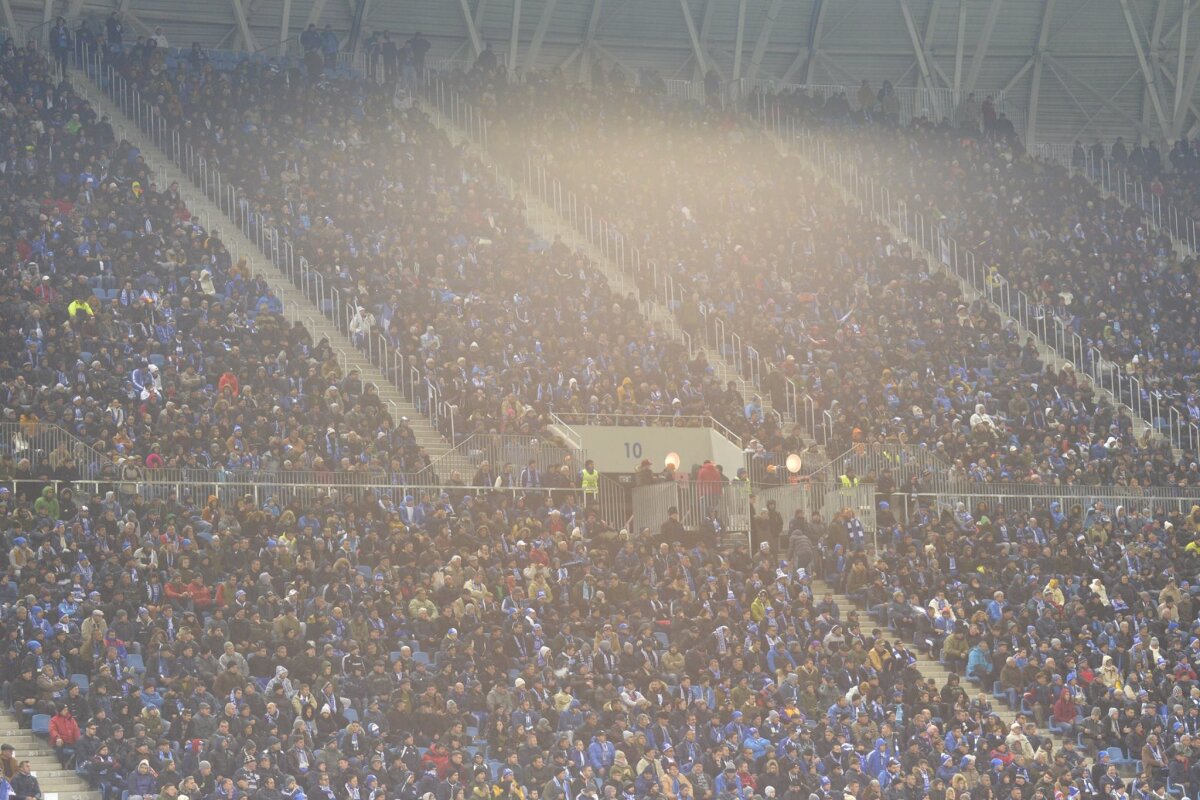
(741, 36)
(931, 24)
(314, 13)
(1151, 85)
(1016, 78)
(472, 31)
(1188, 103)
(1184, 86)
(239, 14)
(601, 50)
(697, 48)
(815, 28)
(981, 49)
(1155, 56)
(514, 41)
(799, 62)
(571, 56)
(585, 55)
(705, 28)
(1188, 5)
(835, 67)
(764, 37)
(1091, 113)
(285, 24)
(959, 45)
(539, 35)
(919, 52)
(47, 16)
(10, 21)
(1035, 83)
(1063, 73)
(358, 21)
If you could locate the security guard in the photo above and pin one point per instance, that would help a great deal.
(848, 480)
(589, 481)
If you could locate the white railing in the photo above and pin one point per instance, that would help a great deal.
(695, 502)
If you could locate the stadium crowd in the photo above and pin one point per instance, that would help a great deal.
(469, 646)
(131, 327)
(876, 348)
(1079, 256)
(433, 253)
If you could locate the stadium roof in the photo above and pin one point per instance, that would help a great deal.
(1061, 69)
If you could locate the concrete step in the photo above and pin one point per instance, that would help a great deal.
(929, 668)
(56, 783)
(296, 304)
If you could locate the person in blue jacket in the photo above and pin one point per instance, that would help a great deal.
(601, 753)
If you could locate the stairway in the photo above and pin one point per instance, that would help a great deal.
(548, 223)
(297, 306)
(929, 668)
(57, 783)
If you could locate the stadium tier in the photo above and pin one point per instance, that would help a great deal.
(235, 573)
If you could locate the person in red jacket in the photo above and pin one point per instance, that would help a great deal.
(202, 598)
(177, 593)
(64, 733)
(228, 381)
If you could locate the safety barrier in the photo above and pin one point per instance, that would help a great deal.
(47, 445)
(1074, 502)
(266, 492)
(695, 502)
(498, 451)
(828, 498)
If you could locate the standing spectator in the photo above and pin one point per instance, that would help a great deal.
(60, 41)
(330, 46)
(114, 31)
(310, 38)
